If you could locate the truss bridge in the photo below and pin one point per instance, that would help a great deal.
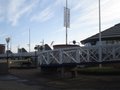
(71, 56)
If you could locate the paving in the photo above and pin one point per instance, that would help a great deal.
(9, 82)
(32, 79)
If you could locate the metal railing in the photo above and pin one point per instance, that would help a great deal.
(73, 55)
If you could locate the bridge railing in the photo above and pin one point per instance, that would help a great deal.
(73, 55)
(80, 55)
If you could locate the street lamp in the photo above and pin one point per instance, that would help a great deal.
(100, 41)
(36, 48)
(7, 40)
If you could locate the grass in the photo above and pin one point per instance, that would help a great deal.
(100, 71)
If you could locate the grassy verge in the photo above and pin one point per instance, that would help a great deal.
(100, 71)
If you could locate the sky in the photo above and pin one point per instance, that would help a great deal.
(44, 19)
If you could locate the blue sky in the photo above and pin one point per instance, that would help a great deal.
(45, 20)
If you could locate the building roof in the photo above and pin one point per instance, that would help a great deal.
(108, 34)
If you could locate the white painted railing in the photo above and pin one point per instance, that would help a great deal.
(80, 55)
(73, 55)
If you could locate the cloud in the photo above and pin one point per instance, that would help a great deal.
(18, 8)
(1, 18)
(2, 10)
(46, 13)
(111, 12)
(43, 16)
(3, 35)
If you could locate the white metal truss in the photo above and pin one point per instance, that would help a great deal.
(73, 55)
(83, 55)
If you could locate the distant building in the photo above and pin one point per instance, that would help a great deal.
(21, 50)
(108, 37)
(2, 48)
(9, 51)
(47, 47)
(42, 47)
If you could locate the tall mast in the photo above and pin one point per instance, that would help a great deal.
(100, 41)
(66, 23)
(66, 20)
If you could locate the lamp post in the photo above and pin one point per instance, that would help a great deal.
(100, 41)
(66, 20)
(7, 41)
(36, 48)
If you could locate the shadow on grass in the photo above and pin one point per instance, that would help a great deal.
(99, 71)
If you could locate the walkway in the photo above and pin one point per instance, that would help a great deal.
(10, 82)
(30, 79)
